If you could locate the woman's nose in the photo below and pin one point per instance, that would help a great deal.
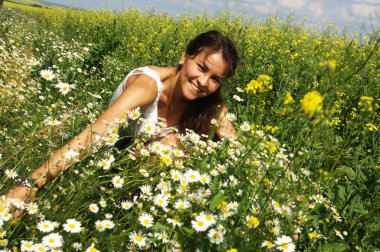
(202, 80)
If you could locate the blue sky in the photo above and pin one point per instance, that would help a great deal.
(360, 15)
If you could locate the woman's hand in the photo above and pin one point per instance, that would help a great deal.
(24, 194)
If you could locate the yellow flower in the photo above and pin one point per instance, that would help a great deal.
(328, 65)
(371, 127)
(232, 250)
(252, 222)
(264, 78)
(311, 103)
(314, 235)
(288, 99)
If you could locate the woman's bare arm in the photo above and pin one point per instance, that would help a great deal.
(141, 93)
(225, 128)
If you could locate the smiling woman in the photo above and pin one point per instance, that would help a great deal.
(185, 97)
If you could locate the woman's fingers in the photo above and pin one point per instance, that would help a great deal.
(23, 194)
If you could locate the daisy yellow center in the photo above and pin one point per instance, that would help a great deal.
(146, 222)
(92, 249)
(277, 205)
(2, 209)
(28, 245)
(45, 226)
(285, 245)
(51, 240)
(149, 128)
(71, 226)
(216, 236)
(41, 249)
(176, 176)
(200, 223)
(160, 201)
(47, 75)
(192, 176)
(65, 88)
(208, 217)
(138, 238)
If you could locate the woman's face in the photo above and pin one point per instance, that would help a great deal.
(203, 74)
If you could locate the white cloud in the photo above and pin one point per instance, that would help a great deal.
(316, 8)
(291, 4)
(364, 10)
(261, 8)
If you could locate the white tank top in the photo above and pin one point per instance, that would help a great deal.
(150, 114)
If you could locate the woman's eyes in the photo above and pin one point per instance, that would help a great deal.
(203, 69)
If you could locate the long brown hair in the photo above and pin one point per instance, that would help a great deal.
(201, 111)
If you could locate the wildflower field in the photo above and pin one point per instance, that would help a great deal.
(303, 174)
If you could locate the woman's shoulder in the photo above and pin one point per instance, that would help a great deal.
(163, 72)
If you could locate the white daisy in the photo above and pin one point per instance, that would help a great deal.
(174, 222)
(246, 126)
(205, 179)
(215, 236)
(161, 200)
(146, 190)
(199, 224)
(237, 98)
(104, 163)
(182, 204)
(53, 240)
(46, 226)
(176, 175)
(99, 226)
(192, 176)
(108, 224)
(138, 239)
(118, 181)
(26, 245)
(92, 248)
(285, 243)
(230, 117)
(40, 247)
(64, 88)
(148, 128)
(71, 154)
(32, 208)
(76, 246)
(146, 220)
(93, 208)
(72, 226)
(209, 218)
(134, 114)
(126, 204)
(47, 74)
(11, 173)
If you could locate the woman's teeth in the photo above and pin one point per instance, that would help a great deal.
(195, 88)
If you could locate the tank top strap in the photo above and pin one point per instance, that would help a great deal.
(151, 73)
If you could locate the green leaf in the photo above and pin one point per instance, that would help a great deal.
(349, 172)
(341, 192)
(163, 227)
(334, 247)
(187, 230)
(217, 200)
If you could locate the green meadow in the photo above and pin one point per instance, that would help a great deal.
(303, 174)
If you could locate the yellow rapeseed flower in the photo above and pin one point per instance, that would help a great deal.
(252, 221)
(314, 235)
(232, 250)
(311, 103)
(371, 126)
(328, 65)
(288, 99)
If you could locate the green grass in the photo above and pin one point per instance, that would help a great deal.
(322, 170)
